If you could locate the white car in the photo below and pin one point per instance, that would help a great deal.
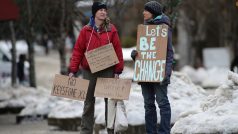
(5, 65)
(5, 57)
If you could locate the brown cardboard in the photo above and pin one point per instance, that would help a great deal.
(152, 48)
(72, 88)
(113, 88)
(101, 58)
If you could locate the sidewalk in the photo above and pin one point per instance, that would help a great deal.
(8, 126)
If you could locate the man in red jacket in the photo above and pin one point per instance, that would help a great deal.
(97, 33)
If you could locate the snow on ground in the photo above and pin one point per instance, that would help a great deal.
(66, 108)
(35, 101)
(127, 53)
(190, 103)
(181, 93)
(22, 96)
(4, 82)
(218, 113)
(127, 73)
(207, 78)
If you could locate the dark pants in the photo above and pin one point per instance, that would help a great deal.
(87, 122)
(152, 92)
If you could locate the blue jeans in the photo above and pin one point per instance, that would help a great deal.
(152, 92)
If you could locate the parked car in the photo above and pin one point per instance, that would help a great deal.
(6, 57)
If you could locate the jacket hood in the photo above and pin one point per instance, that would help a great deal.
(161, 19)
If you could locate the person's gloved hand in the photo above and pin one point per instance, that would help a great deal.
(71, 74)
(134, 53)
(165, 81)
(116, 76)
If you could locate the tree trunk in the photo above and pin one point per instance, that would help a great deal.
(183, 40)
(61, 47)
(234, 28)
(13, 52)
(30, 47)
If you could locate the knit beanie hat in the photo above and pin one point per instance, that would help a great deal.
(154, 8)
(97, 6)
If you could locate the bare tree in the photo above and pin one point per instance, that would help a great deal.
(210, 24)
(61, 47)
(29, 39)
(13, 51)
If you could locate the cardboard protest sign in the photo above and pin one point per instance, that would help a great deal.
(152, 49)
(101, 58)
(70, 87)
(113, 88)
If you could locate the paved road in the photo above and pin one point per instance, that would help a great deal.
(8, 126)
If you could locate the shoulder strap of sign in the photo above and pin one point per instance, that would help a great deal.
(108, 36)
(91, 38)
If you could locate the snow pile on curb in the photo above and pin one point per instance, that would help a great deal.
(181, 93)
(66, 109)
(22, 96)
(217, 113)
(211, 78)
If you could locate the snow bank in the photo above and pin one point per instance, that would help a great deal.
(135, 109)
(21, 96)
(182, 93)
(35, 101)
(211, 78)
(67, 109)
(218, 113)
(42, 107)
(127, 53)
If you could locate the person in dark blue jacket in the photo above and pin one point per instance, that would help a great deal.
(157, 91)
(234, 65)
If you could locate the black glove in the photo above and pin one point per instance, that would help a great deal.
(166, 81)
(134, 53)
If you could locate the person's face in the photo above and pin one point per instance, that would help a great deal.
(101, 14)
(147, 15)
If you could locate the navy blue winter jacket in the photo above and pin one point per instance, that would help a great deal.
(163, 19)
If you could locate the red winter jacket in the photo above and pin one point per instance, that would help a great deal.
(98, 39)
